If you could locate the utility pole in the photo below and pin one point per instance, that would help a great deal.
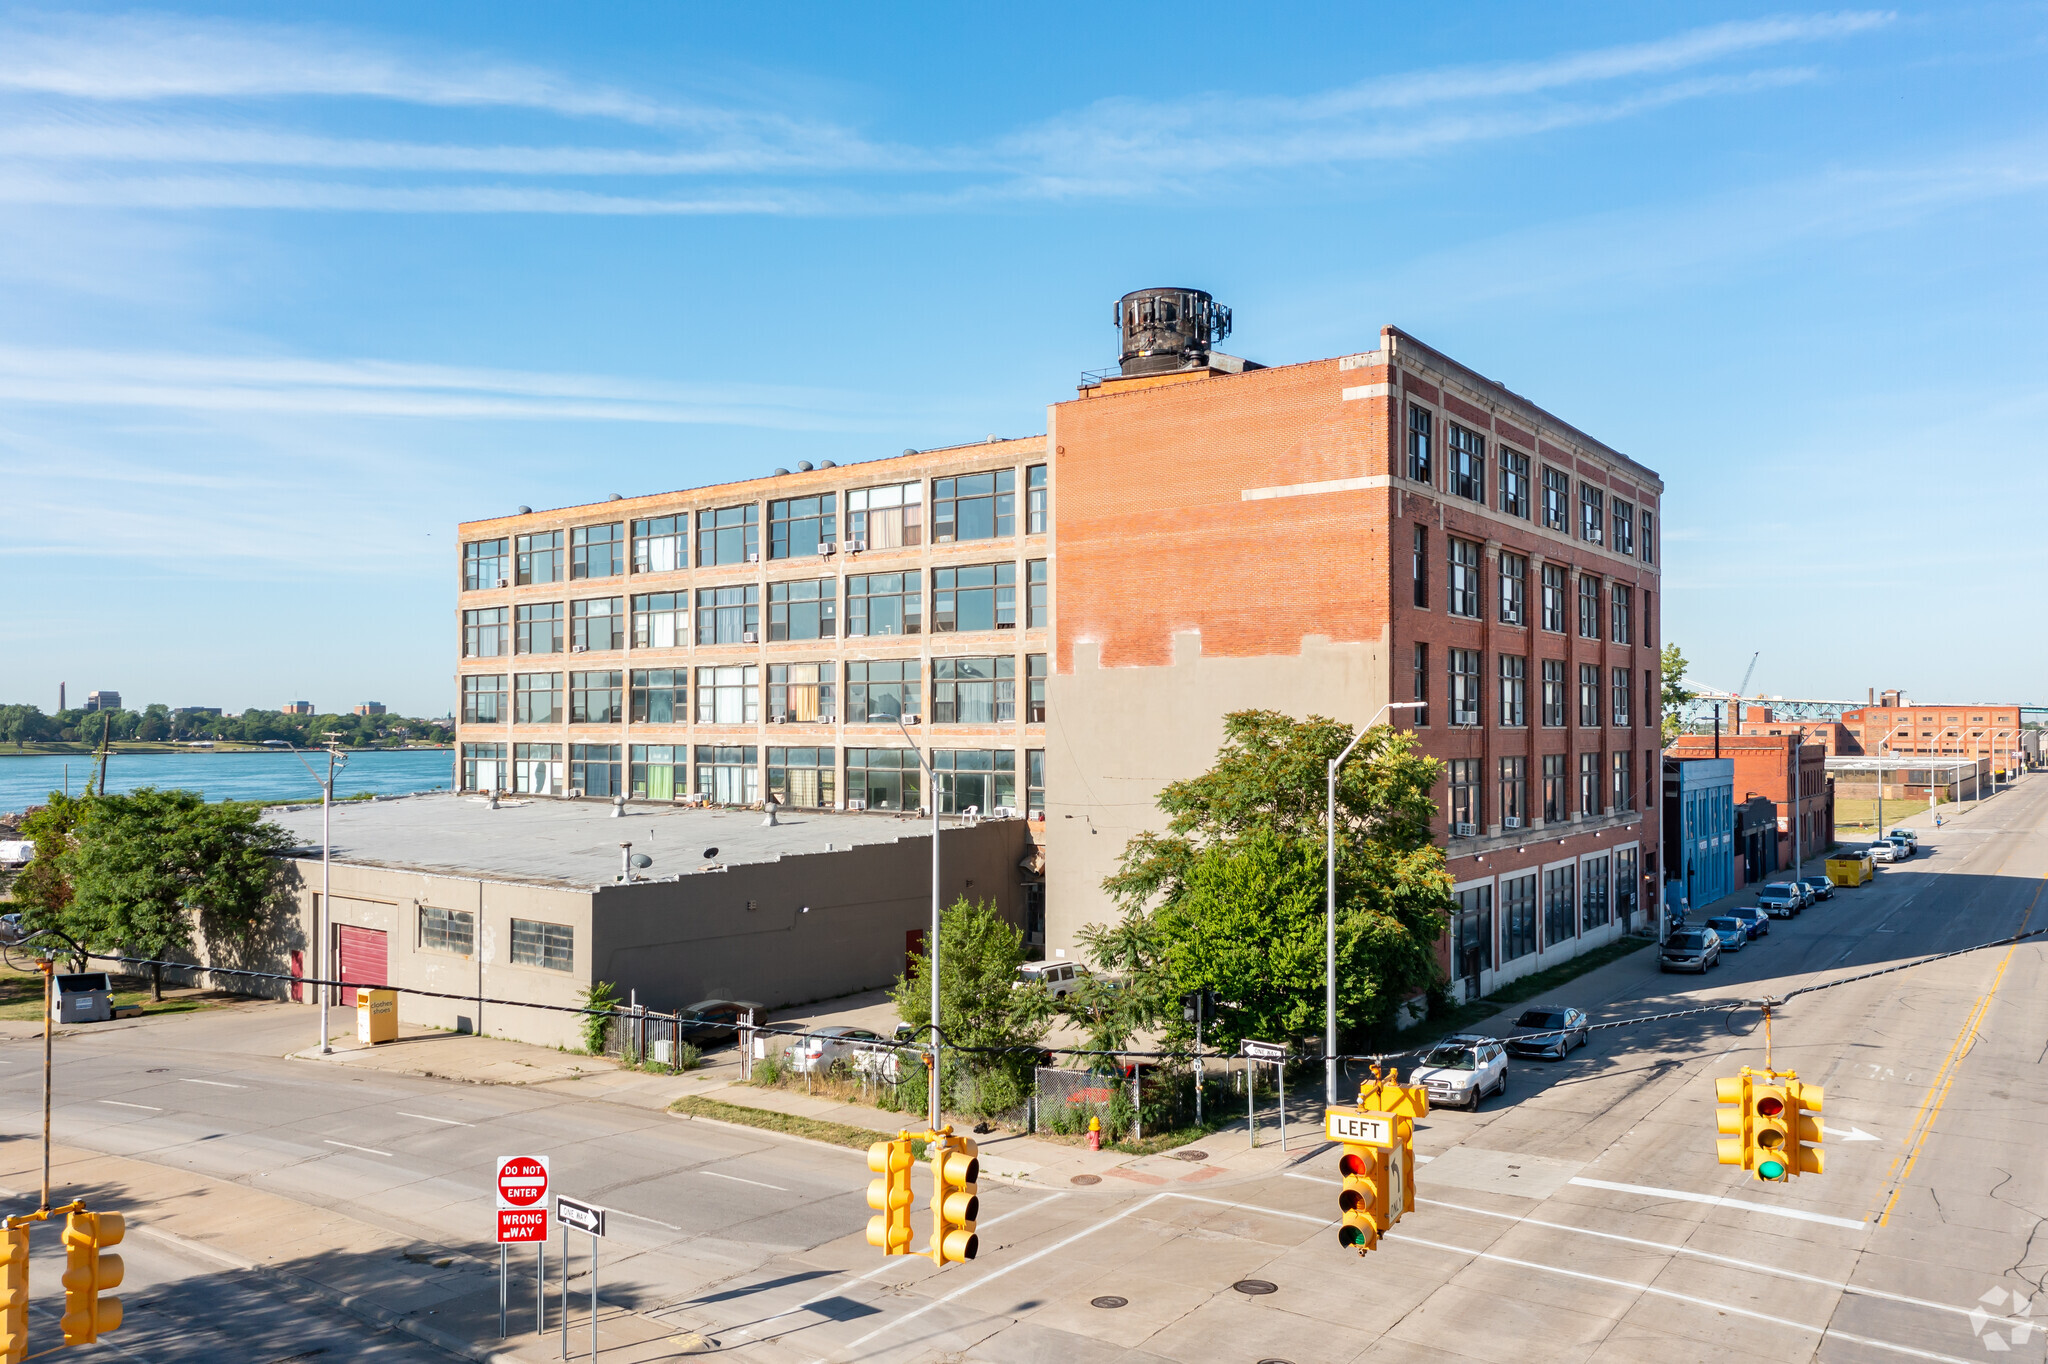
(324, 915)
(931, 943)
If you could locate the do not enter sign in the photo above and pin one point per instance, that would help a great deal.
(522, 1185)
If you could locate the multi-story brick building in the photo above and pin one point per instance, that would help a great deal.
(1950, 731)
(1764, 766)
(1332, 536)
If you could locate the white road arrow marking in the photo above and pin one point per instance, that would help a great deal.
(1853, 1134)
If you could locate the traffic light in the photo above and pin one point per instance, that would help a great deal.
(890, 1195)
(88, 1271)
(1732, 1119)
(1802, 1105)
(956, 1199)
(1766, 1124)
(1372, 1191)
(1770, 1128)
(14, 1297)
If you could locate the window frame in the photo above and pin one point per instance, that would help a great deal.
(1421, 431)
(1462, 592)
(948, 500)
(543, 946)
(614, 551)
(1514, 482)
(1465, 464)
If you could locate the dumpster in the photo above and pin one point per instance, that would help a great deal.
(83, 997)
(1852, 869)
(376, 1016)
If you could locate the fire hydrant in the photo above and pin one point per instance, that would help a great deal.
(1095, 1134)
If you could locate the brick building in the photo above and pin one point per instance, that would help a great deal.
(1764, 767)
(1832, 735)
(1331, 536)
(1950, 731)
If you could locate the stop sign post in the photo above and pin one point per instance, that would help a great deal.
(521, 1184)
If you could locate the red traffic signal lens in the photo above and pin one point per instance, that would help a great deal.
(1351, 1163)
(1770, 1106)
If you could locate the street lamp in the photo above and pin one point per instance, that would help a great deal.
(931, 943)
(321, 965)
(1330, 914)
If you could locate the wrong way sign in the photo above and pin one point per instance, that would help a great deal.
(522, 1187)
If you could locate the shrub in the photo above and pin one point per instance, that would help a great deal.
(768, 1072)
(601, 995)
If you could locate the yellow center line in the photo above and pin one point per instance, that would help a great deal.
(1930, 1108)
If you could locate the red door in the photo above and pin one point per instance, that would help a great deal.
(361, 954)
(913, 944)
(298, 976)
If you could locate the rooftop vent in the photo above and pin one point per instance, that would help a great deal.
(1162, 330)
(526, 511)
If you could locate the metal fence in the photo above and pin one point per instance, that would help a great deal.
(649, 1040)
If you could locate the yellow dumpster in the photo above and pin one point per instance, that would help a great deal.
(1852, 869)
(376, 1016)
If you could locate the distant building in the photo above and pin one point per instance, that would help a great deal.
(298, 708)
(370, 708)
(1948, 731)
(103, 700)
(1699, 827)
(1832, 735)
(1764, 766)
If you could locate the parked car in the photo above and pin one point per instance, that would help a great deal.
(1906, 846)
(1758, 921)
(1780, 900)
(1733, 932)
(820, 1049)
(1901, 831)
(1819, 887)
(711, 1021)
(1691, 949)
(1461, 1070)
(1547, 1031)
(1885, 851)
(1060, 978)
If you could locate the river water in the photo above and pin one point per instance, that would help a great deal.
(279, 776)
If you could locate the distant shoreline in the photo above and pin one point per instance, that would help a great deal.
(186, 750)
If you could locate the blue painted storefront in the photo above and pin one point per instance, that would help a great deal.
(1699, 817)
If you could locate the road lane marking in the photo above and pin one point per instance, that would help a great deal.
(118, 1104)
(1253, 1207)
(218, 1084)
(1853, 1134)
(737, 1180)
(997, 1274)
(428, 1117)
(353, 1147)
(1651, 1289)
(1717, 1200)
(614, 1212)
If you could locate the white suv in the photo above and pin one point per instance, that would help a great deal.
(1060, 978)
(1461, 1070)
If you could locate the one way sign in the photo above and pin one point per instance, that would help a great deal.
(582, 1216)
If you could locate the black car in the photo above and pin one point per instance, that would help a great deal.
(1548, 1032)
(1819, 887)
(711, 1021)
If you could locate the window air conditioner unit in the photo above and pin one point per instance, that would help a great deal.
(575, 793)
(856, 805)
(856, 546)
(1463, 830)
(778, 719)
(579, 648)
(942, 539)
(1512, 822)
(828, 548)
(753, 556)
(1006, 625)
(504, 582)
(750, 637)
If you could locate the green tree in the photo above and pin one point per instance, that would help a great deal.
(42, 891)
(1132, 992)
(604, 996)
(1676, 693)
(149, 868)
(1253, 826)
(155, 724)
(980, 1004)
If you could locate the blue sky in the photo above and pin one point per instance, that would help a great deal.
(287, 292)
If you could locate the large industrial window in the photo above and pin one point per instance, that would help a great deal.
(974, 691)
(1589, 695)
(1649, 555)
(1556, 797)
(1419, 567)
(1464, 669)
(1622, 692)
(447, 930)
(980, 597)
(537, 770)
(889, 517)
(883, 779)
(797, 526)
(484, 634)
(1624, 779)
(660, 771)
(974, 506)
(1472, 932)
(1514, 483)
(486, 564)
(1554, 598)
(1464, 796)
(595, 698)
(483, 699)
(1419, 670)
(1037, 509)
(1621, 616)
(803, 610)
(981, 779)
(539, 558)
(1557, 499)
(1468, 464)
(1594, 909)
(537, 698)
(729, 774)
(1560, 905)
(806, 778)
(801, 692)
(1418, 446)
(1034, 782)
(661, 620)
(883, 604)
(594, 769)
(1553, 693)
(597, 551)
(729, 535)
(1514, 691)
(1589, 784)
(1624, 527)
(879, 690)
(1518, 916)
(1037, 610)
(729, 615)
(597, 624)
(1589, 606)
(537, 629)
(1514, 792)
(545, 945)
(1035, 678)
(659, 544)
(483, 767)
(729, 695)
(661, 696)
(1514, 580)
(1592, 514)
(1463, 597)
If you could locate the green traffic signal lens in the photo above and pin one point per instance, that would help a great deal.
(1770, 1169)
(1349, 1237)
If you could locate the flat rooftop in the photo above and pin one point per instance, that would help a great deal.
(574, 843)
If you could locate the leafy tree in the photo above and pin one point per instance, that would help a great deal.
(1232, 887)
(42, 890)
(602, 995)
(1676, 693)
(155, 724)
(1134, 992)
(150, 867)
(980, 1004)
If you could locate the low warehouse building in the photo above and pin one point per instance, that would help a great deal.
(528, 901)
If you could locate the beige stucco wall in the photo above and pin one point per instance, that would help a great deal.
(1115, 737)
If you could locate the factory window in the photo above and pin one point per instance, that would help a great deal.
(797, 526)
(1418, 445)
(1554, 598)
(729, 696)
(1553, 693)
(1464, 578)
(1468, 464)
(975, 778)
(974, 691)
(729, 615)
(728, 774)
(1555, 796)
(1514, 587)
(1621, 694)
(804, 777)
(537, 769)
(1464, 796)
(1514, 791)
(1560, 905)
(483, 699)
(594, 769)
(729, 535)
(1518, 916)
(1514, 691)
(879, 690)
(1592, 514)
(1620, 614)
(660, 771)
(483, 633)
(801, 692)
(974, 506)
(595, 698)
(447, 930)
(1464, 686)
(483, 767)
(598, 624)
(1514, 483)
(803, 610)
(1624, 528)
(661, 696)
(1649, 538)
(1035, 678)
(1589, 606)
(658, 544)
(1419, 567)
(486, 564)
(889, 517)
(597, 551)
(537, 629)
(1624, 779)
(1037, 610)
(537, 698)
(1034, 782)
(1589, 696)
(883, 778)
(545, 945)
(981, 597)
(1418, 666)
(661, 620)
(1557, 498)
(883, 604)
(1589, 784)
(1037, 512)
(539, 558)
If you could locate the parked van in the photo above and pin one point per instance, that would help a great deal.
(1060, 978)
(1910, 835)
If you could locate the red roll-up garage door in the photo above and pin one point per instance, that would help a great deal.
(361, 957)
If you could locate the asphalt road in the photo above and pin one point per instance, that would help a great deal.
(1581, 1218)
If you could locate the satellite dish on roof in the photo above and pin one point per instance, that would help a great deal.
(711, 852)
(642, 860)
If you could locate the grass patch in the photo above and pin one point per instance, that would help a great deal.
(21, 997)
(1520, 991)
(1854, 815)
(837, 1133)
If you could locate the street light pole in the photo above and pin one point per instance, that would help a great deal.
(325, 913)
(1330, 908)
(931, 943)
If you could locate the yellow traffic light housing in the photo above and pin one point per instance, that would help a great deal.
(88, 1272)
(14, 1297)
(1732, 1119)
(956, 1198)
(1766, 1125)
(1802, 1106)
(890, 1195)
(1362, 1206)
